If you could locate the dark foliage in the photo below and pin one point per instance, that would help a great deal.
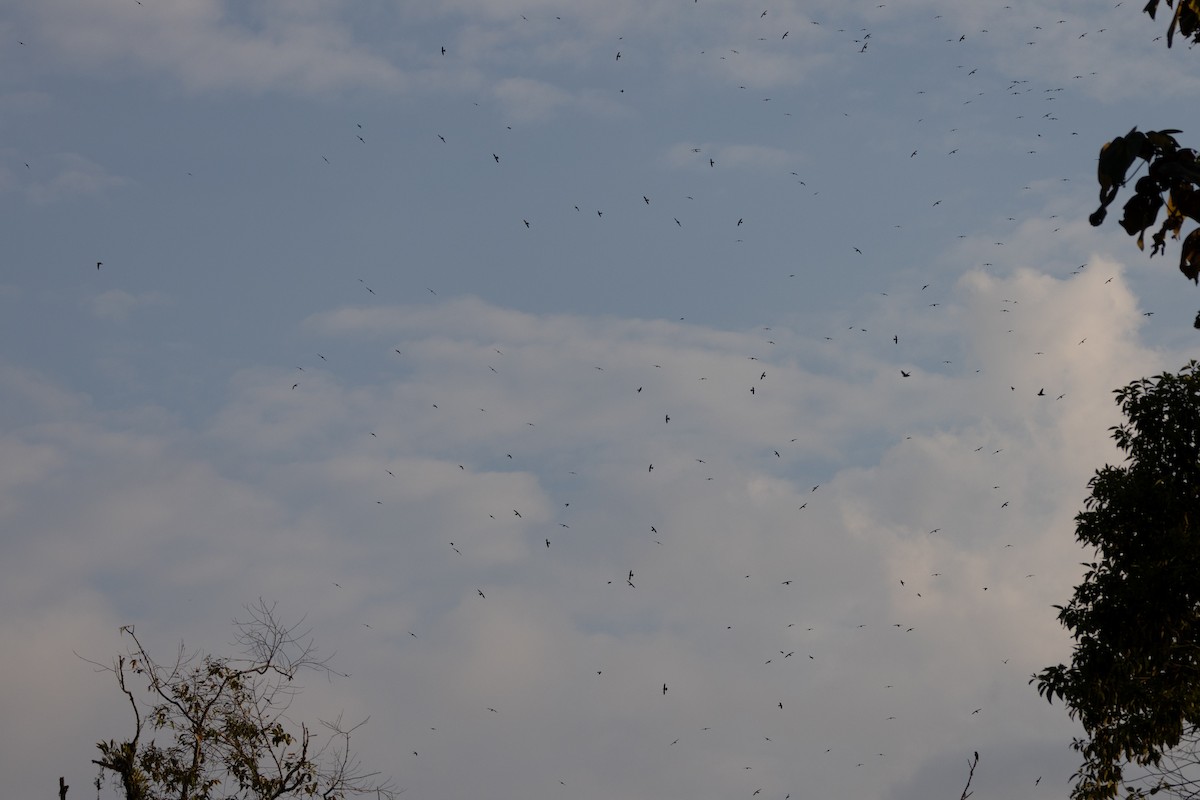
(1171, 182)
(1185, 19)
(1134, 677)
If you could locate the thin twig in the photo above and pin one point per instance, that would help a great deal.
(967, 789)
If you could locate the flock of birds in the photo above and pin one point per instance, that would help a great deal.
(553, 533)
(792, 642)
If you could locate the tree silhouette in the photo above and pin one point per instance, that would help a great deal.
(226, 732)
(1134, 677)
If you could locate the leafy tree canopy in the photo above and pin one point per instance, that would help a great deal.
(1134, 677)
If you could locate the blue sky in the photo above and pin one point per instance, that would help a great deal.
(361, 302)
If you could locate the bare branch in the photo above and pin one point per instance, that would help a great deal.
(966, 792)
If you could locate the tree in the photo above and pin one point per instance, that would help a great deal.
(1134, 677)
(225, 724)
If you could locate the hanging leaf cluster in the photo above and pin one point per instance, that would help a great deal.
(1172, 181)
(1186, 18)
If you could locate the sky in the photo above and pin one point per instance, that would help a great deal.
(763, 352)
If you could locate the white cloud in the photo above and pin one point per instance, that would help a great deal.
(21, 103)
(527, 100)
(74, 176)
(116, 305)
(213, 45)
(760, 69)
(696, 155)
(414, 509)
